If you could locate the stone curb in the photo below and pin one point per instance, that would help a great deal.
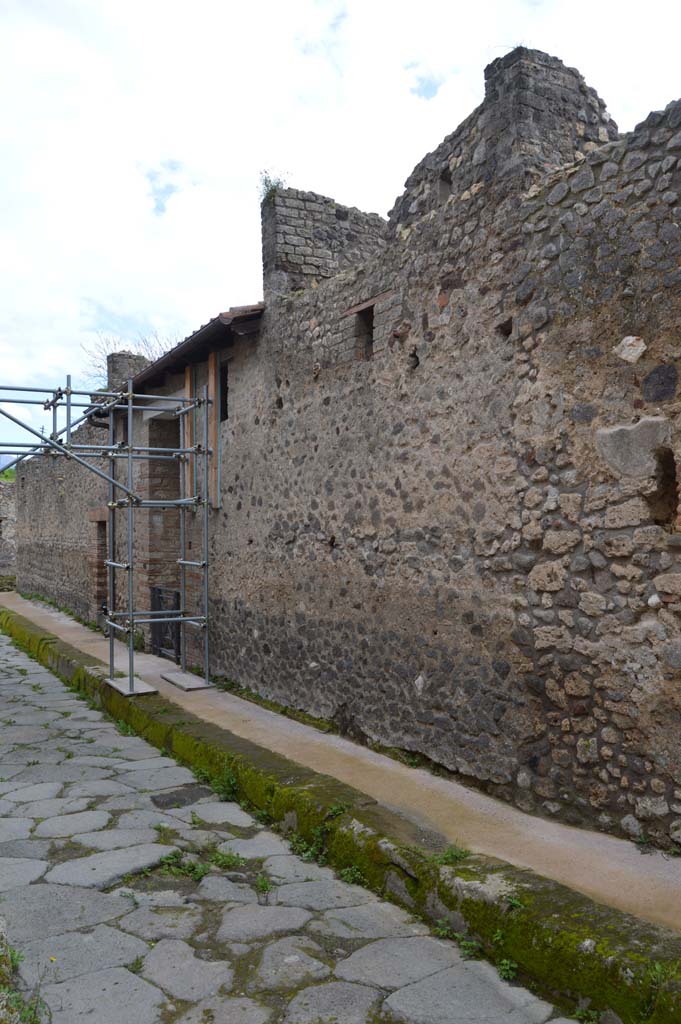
(566, 947)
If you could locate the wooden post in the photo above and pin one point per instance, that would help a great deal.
(188, 464)
(214, 426)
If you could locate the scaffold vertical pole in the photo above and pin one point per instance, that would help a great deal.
(206, 490)
(111, 544)
(184, 471)
(68, 409)
(131, 551)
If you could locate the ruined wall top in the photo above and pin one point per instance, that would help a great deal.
(306, 237)
(121, 366)
(537, 114)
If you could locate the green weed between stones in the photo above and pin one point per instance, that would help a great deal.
(137, 965)
(451, 856)
(226, 861)
(352, 875)
(175, 865)
(508, 969)
(16, 1007)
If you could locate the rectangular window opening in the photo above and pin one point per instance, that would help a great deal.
(224, 392)
(364, 333)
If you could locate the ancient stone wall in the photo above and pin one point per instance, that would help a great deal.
(57, 539)
(8, 518)
(449, 490)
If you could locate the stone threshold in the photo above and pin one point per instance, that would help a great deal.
(564, 944)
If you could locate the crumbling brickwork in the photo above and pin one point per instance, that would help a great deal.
(449, 496)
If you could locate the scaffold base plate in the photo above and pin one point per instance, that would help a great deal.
(185, 680)
(122, 685)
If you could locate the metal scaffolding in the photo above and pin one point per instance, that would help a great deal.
(106, 406)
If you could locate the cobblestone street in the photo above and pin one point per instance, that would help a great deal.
(136, 895)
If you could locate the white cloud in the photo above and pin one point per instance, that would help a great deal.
(134, 133)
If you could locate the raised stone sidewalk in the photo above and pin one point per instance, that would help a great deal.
(136, 895)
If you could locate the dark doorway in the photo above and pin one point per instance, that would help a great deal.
(165, 636)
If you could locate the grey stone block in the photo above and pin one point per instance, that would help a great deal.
(216, 813)
(162, 922)
(245, 924)
(472, 993)
(26, 792)
(19, 871)
(103, 869)
(174, 967)
(103, 787)
(42, 910)
(60, 957)
(394, 963)
(115, 838)
(288, 963)
(264, 845)
(112, 996)
(373, 921)
(293, 869)
(15, 828)
(324, 895)
(630, 450)
(223, 890)
(70, 824)
(49, 808)
(157, 778)
(227, 1010)
(331, 1003)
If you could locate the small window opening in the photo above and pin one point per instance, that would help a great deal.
(505, 329)
(445, 185)
(664, 500)
(224, 392)
(364, 333)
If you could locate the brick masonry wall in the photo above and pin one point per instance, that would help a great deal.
(307, 237)
(464, 542)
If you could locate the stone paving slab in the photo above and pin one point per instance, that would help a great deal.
(333, 1002)
(70, 824)
(15, 828)
(216, 813)
(20, 871)
(174, 967)
(326, 895)
(287, 964)
(249, 923)
(227, 1011)
(38, 910)
(472, 993)
(266, 844)
(394, 963)
(113, 996)
(156, 923)
(60, 957)
(157, 778)
(115, 838)
(272, 940)
(103, 869)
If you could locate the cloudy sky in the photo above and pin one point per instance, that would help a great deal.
(134, 132)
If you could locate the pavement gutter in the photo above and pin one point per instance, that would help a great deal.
(564, 946)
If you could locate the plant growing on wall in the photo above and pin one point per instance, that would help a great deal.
(270, 184)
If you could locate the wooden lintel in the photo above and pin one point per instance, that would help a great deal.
(374, 300)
